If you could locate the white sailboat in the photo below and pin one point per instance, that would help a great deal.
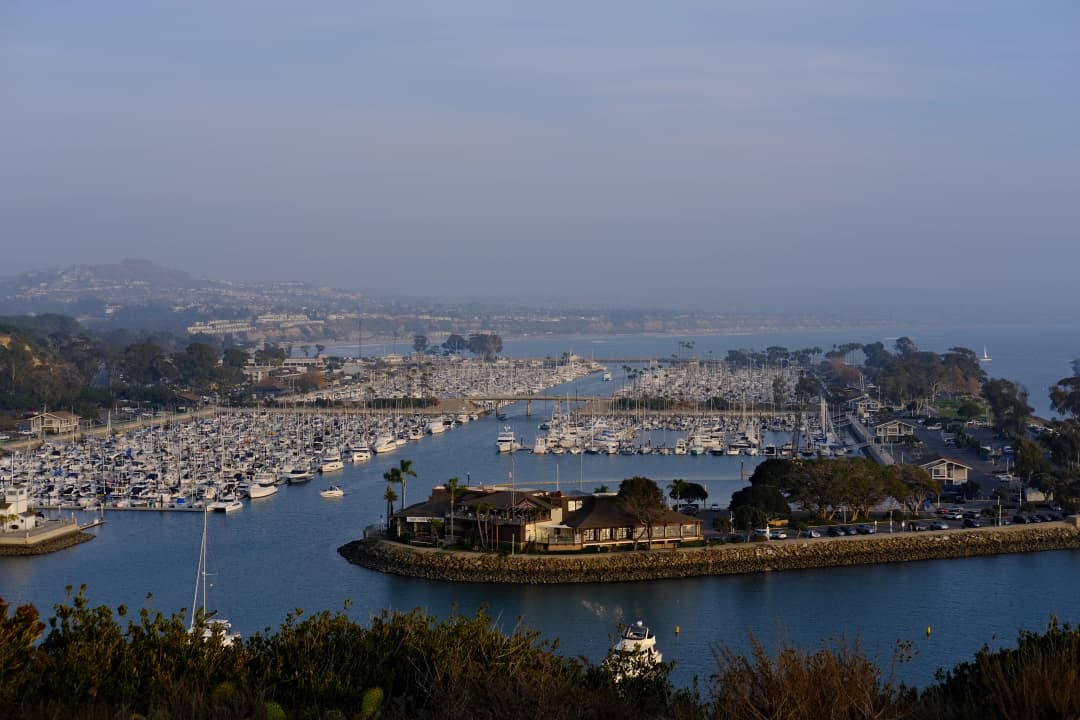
(985, 356)
(213, 626)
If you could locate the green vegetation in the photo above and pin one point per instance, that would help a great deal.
(94, 663)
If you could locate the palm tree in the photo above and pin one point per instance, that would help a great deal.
(678, 489)
(390, 496)
(391, 476)
(452, 487)
(404, 469)
(483, 514)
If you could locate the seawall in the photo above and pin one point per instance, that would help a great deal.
(452, 566)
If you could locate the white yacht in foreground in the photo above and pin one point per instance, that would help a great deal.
(635, 652)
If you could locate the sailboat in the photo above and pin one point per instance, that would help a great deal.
(985, 356)
(213, 626)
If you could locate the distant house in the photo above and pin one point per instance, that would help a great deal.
(893, 431)
(947, 470)
(60, 421)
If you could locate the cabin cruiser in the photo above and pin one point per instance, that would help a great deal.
(634, 652)
(506, 442)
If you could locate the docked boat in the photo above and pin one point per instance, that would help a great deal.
(225, 505)
(332, 492)
(506, 442)
(331, 464)
(262, 487)
(361, 453)
(385, 444)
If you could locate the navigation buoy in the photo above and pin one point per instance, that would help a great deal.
(927, 631)
(676, 629)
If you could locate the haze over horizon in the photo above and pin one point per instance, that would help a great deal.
(773, 156)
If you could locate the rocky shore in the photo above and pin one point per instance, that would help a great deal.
(47, 546)
(452, 566)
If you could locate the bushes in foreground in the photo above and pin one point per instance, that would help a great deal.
(406, 665)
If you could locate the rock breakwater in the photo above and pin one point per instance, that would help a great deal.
(453, 566)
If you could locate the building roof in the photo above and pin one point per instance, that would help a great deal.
(601, 511)
(939, 459)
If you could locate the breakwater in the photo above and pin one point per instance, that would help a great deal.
(453, 566)
(45, 546)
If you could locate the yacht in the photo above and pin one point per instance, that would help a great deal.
(332, 492)
(506, 442)
(331, 462)
(361, 453)
(635, 651)
(264, 485)
(225, 505)
(385, 444)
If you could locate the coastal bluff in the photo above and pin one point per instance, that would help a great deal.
(733, 559)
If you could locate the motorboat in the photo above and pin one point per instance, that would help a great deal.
(262, 487)
(361, 453)
(634, 652)
(332, 492)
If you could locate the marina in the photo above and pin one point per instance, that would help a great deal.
(144, 549)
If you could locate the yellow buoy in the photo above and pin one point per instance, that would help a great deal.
(928, 630)
(676, 629)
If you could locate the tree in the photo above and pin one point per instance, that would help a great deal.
(695, 493)
(392, 477)
(642, 498)
(144, 364)
(1008, 403)
(911, 486)
(455, 343)
(420, 342)
(602, 489)
(483, 518)
(1065, 396)
(486, 345)
(452, 487)
(234, 358)
(676, 489)
(767, 498)
(748, 517)
(390, 496)
(404, 471)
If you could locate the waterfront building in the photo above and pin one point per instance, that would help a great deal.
(946, 469)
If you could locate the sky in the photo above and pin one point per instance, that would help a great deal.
(875, 156)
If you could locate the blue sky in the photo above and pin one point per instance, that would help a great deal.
(754, 155)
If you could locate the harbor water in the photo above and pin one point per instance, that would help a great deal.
(279, 553)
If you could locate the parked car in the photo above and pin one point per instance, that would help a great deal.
(689, 510)
(917, 527)
(836, 531)
(714, 506)
(810, 533)
(972, 523)
(1019, 520)
(865, 529)
(939, 525)
(734, 538)
(778, 534)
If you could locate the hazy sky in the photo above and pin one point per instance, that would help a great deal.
(744, 155)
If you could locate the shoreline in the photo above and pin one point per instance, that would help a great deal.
(735, 559)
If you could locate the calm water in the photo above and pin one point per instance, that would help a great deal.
(279, 553)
